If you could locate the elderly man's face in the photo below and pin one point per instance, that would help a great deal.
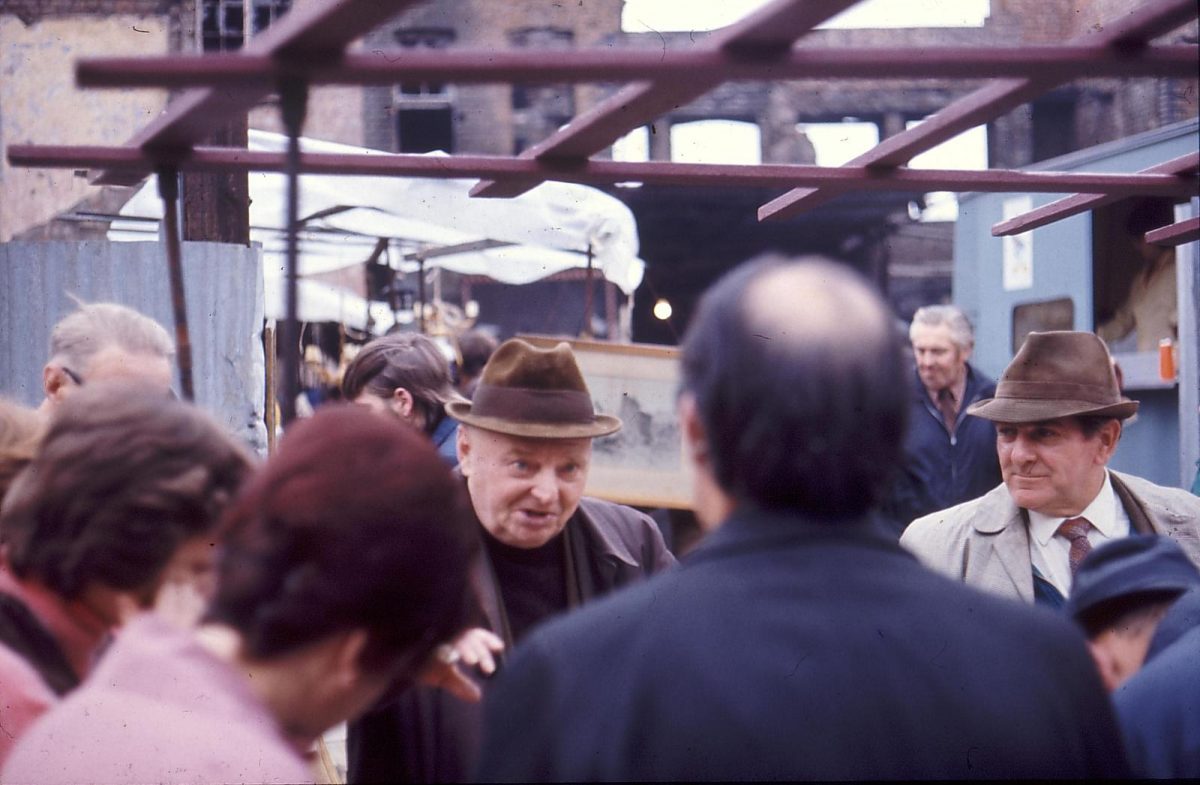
(112, 363)
(523, 490)
(941, 362)
(1053, 467)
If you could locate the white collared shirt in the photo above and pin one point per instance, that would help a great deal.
(1051, 554)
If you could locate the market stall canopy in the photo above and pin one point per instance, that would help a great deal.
(545, 231)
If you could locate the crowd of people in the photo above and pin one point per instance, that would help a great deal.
(908, 570)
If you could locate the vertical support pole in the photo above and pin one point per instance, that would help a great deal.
(293, 95)
(270, 413)
(588, 296)
(610, 309)
(421, 291)
(168, 191)
(1187, 272)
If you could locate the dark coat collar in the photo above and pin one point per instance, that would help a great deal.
(976, 384)
(753, 528)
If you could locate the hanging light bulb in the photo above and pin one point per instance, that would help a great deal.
(662, 309)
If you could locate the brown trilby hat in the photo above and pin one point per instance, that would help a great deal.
(538, 393)
(1056, 374)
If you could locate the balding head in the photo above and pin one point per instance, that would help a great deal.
(102, 342)
(798, 382)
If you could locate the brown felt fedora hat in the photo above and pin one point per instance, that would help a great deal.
(538, 393)
(1056, 374)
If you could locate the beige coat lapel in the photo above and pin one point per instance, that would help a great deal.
(1161, 509)
(998, 558)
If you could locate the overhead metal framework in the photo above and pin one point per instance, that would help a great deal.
(310, 46)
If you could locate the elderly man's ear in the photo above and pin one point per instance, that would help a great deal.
(56, 383)
(711, 504)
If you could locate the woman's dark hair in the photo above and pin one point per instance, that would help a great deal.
(798, 378)
(408, 360)
(354, 524)
(121, 479)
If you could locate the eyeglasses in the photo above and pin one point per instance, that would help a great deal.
(79, 382)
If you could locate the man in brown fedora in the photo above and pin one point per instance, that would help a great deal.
(1058, 413)
(524, 448)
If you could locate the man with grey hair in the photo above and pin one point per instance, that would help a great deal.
(103, 341)
(949, 455)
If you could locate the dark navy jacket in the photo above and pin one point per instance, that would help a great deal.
(784, 648)
(1159, 707)
(942, 469)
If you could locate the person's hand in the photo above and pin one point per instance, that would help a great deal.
(478, 647)
(475, 647)
(181, 603)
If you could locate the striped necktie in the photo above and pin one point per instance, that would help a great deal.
(1076, 531)
(948, 407)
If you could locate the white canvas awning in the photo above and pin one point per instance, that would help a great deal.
(543, 232)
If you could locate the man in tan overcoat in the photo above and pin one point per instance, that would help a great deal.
(1058, 414)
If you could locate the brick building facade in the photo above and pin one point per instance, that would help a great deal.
(39, 40)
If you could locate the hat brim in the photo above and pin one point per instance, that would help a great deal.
(1019, 410)
(601, 425)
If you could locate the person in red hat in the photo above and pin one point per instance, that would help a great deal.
(524, 448)
(1058, 412)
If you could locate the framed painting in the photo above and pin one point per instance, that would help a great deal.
(642, 464)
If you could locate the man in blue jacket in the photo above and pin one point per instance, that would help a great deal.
(949, 455)
(1138, 601)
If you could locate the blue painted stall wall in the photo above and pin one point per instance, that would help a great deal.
(1062, 267)
(1150, 444)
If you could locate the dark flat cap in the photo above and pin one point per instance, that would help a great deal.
(1137, 564)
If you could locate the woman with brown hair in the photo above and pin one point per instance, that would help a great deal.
(406, 376)
(117, 504)
(344, 564)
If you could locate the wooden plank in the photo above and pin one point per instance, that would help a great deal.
(597, 172)
(1176, 234)
(1130, 29)
(248, 72)
(1079, 203)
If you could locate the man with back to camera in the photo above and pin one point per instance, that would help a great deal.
(949, 455)
(1058, 413)
(524, 446)
(798, 641)
(105, 341)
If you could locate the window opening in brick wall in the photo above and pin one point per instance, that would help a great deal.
(716, 142)
(424, 110)
(835, 143)
(540, 110)
(223, 22)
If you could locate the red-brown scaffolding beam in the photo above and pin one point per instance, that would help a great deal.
(595, 172)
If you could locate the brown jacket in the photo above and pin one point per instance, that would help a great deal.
(427, 735)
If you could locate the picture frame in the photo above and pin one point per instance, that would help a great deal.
(642, 464)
